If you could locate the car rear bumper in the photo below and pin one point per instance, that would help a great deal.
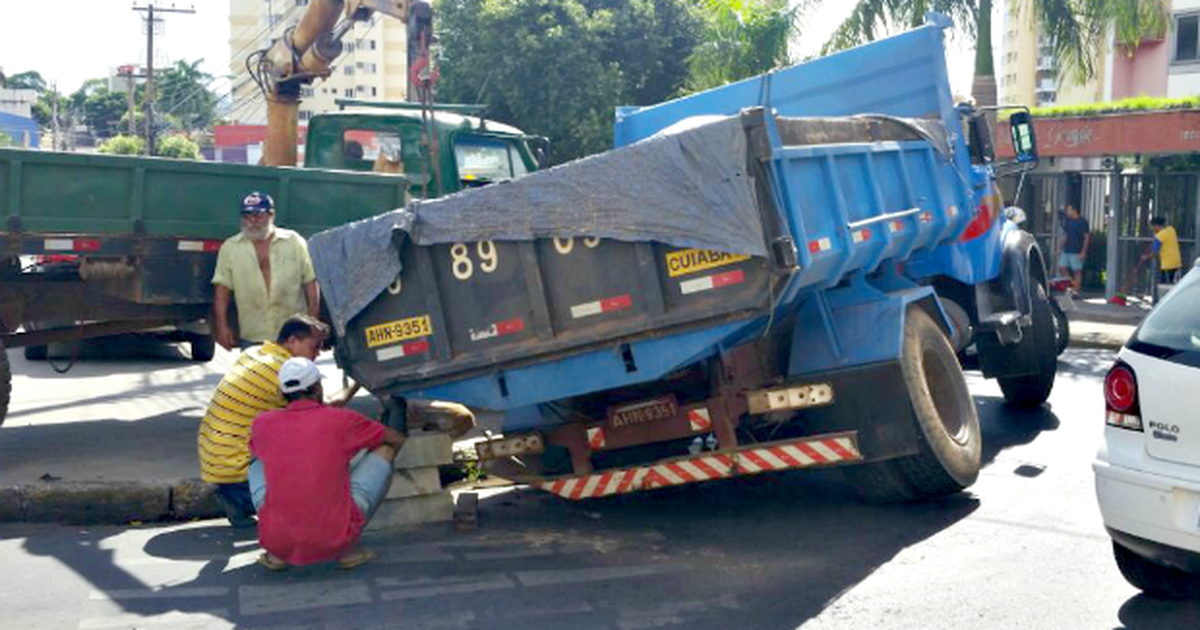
(1155, 516)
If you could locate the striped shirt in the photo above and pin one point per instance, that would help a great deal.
(249, 388)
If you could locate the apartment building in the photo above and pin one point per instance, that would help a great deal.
(1183, 52)
(1029, 73)
(373, 64)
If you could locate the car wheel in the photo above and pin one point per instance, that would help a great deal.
(947, 423)
(1153, 579)
(1032, 390)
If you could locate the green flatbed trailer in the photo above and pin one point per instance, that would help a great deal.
(94, 245)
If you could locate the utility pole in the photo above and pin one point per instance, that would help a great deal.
(54, 113)
(150, 9)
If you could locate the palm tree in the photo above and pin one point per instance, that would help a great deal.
(1077, 29)
(740, 39)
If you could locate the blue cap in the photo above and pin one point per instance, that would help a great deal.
(257, 202)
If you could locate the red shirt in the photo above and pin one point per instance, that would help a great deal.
(305, 449)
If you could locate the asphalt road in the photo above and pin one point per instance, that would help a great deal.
(1023, 548)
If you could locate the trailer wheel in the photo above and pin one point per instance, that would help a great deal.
(1033, 389)
(204, 348)
(5, 382)
(950, 451)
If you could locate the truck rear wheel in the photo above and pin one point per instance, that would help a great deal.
(204, 348)
(5, 382)
(950, 450)
(1033, 389)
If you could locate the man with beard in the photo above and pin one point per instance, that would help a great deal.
(268, 272)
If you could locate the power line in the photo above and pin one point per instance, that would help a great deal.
(151, 21)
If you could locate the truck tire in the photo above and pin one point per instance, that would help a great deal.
(5, 382)
(204, 348)
(1062, 328)
(1033, 389)
(947, 423)
(881, 483)
(1153, 579)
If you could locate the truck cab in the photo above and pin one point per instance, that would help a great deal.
(384, 138)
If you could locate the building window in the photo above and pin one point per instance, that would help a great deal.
(1186, 38)
(301, 3)
(369, 44)
(368, 68)
(349, 47)
(305, 115)
(374, 92)
(348, 70)
(349, 92)
(306, 92)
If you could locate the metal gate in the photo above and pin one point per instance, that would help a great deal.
(1044, 198)
(1143, 197)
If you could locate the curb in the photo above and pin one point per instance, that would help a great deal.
(95, 503)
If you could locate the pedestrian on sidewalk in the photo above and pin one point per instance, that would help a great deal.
(312, 503)
(249, 388)
(1166, 246)
(267, 272)
(1077, 239)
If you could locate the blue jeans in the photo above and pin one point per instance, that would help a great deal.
(369, 481)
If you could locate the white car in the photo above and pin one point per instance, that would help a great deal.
(1148, 467)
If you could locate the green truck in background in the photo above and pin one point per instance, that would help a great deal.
(96, 245)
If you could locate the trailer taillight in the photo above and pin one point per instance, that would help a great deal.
(1121, 398)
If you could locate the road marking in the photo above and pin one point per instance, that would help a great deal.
(671, 613)
(259, 600)
(434, 587)
(159, 593)
(575, 576)
(215, 618)
(416, 553)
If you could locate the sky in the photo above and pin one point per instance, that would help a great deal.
(76, 40)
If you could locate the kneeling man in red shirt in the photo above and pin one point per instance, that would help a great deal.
(312, 504)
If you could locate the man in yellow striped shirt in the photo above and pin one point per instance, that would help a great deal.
(249, 388)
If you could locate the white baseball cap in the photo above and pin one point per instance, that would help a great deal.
(297, 375)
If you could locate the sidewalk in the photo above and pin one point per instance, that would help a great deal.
(1097, 324)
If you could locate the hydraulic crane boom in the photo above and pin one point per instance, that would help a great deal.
(307, 51)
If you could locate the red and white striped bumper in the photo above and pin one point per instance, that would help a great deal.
(808, 452)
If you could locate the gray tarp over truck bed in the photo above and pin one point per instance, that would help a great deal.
(688, 187)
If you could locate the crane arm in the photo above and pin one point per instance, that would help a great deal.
(306, 52)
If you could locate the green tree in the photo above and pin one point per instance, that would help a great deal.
(1076, 28)
(123, 145)
(559, 67)
(182, 91)
(7, 140)
(741, 39)
(29, 80)
(179, 147)
(102, 111)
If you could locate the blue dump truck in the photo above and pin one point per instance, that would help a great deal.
(759, 277)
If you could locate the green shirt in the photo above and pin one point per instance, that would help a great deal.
(262, 311)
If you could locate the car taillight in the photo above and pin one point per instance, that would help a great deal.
(1121, 398)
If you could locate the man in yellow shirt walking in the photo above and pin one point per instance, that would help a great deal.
(267, 272)
(1166, 245)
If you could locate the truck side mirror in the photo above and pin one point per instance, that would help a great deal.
(1023, 140)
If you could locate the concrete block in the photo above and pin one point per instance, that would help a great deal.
(427, 508)
(466, 512)
(413, 482)
(422, 450)
(193, 498)
(92, 503)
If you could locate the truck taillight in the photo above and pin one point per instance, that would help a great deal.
(988, 211)
(1121, 398)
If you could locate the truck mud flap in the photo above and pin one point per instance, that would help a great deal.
(829, 449)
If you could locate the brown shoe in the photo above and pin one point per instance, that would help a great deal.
(354, 558)
(271, 563)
